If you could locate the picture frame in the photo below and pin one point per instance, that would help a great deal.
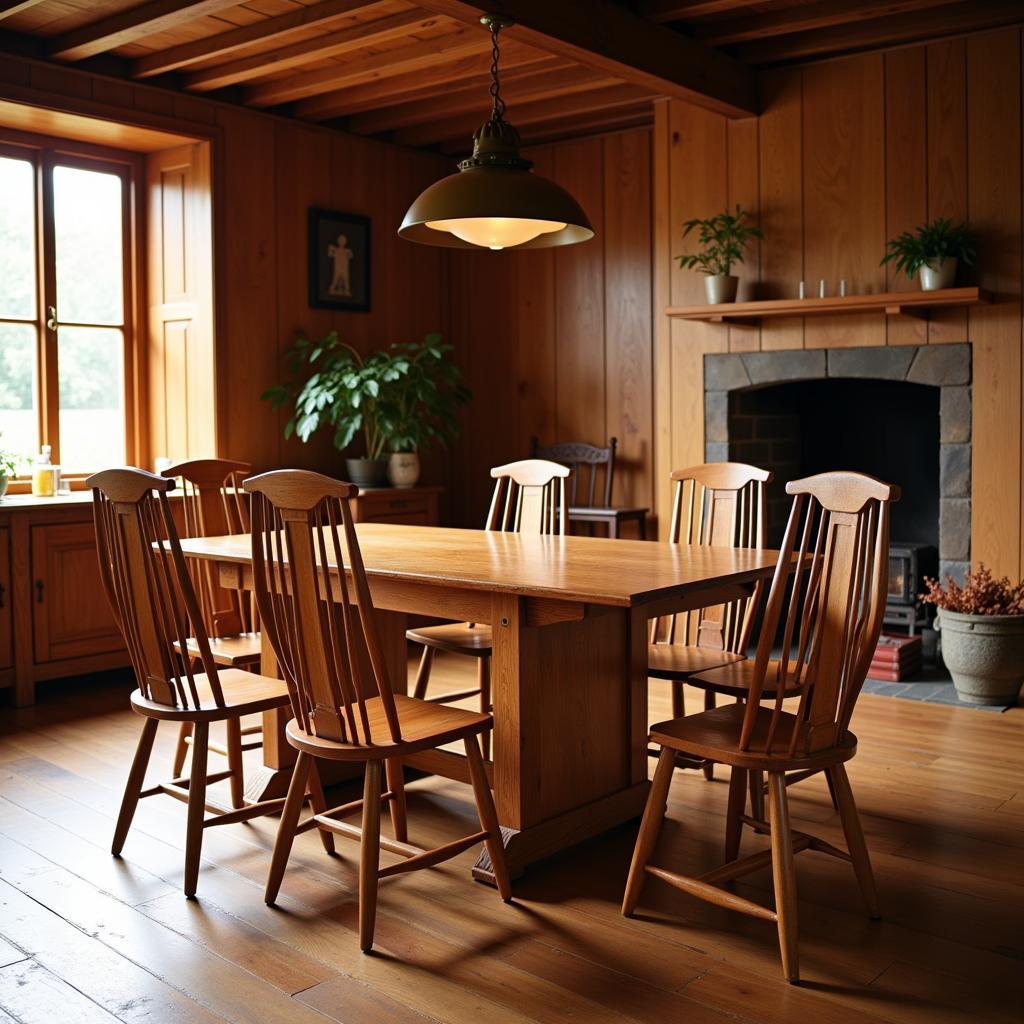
(339, 260)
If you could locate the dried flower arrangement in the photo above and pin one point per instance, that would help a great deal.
(981, 594)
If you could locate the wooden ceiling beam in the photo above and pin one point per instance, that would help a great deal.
(331, 44)
(10, 7)
(673, 10)
(602, 35)
(806, 18)
(225, 43)
(887, 31)
(518, 86)
(412, 88)
(128, 26)
(603, 99)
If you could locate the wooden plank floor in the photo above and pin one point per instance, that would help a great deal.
(84, 937)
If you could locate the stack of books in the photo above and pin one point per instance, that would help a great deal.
(896, 658)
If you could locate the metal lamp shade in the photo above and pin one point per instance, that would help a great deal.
(507, 192)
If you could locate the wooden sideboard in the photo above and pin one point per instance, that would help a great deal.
(413, 506)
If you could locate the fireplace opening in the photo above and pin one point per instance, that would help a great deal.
(890, 429)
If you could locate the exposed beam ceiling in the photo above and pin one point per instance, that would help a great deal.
(673, 10)
(602, 35)
(225, 43)
(9, 7)
(127, 26)
(330, 44)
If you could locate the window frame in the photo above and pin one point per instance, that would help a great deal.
(46, 153)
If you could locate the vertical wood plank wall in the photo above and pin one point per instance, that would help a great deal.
(847, 154)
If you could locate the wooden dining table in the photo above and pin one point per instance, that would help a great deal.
(569, 671)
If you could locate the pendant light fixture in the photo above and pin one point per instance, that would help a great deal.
(495, 201)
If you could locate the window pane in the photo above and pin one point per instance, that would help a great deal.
(19, 422)
(17, 240)
(88, 233)
(90, 368)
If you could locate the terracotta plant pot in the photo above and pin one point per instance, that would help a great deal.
(941, 275)
(367, 472)
(404, 469)
(984, 655)
(720, 288)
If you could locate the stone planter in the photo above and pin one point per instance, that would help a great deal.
(941, 275)
(720, 288)
(367, 472)
(404, 469)
(984, 655)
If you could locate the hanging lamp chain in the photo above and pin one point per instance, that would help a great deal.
(498, 104)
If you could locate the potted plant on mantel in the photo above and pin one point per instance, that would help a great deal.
(982, 629)
(724, 239)
(401, 399)
(936, 249)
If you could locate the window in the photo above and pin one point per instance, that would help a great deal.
(65, 304)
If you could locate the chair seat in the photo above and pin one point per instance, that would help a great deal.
(245, 693)
(676, 661)
(715, 734)
(734, 680)
(458, 637)
(424, 725)
(231, 651)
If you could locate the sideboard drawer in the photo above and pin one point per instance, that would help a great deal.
(416, 506)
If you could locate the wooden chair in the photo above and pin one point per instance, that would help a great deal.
(213, 505)
(590, 486)
(529, 497)
(324, 632)
(834, 567)
(721, 504)
(151, 592)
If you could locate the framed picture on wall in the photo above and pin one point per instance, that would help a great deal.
(339, 260)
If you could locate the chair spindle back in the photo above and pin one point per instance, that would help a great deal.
(720, 504)
(832, 577)
(215, 505)
(529, 497)
(149, 586)
(315, 604)
(587, 461)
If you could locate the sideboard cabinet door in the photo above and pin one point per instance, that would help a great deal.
(70, 613)
(6, 644)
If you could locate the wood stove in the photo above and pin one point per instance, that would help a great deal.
(909, 563)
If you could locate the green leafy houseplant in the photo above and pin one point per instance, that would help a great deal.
(9, 462)
(400, 398)
(927, 248)
(723, 240)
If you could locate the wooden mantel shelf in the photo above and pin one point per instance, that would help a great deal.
(750, 314)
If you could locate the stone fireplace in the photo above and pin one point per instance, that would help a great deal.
(902, 413)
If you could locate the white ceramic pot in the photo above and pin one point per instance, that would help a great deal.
(941, 275)
(404, 469)
(721, 288)
(984, 655)
(3, 486)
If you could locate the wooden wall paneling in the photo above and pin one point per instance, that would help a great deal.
(780, 165)
(994, 209)
(744, 188)
(247, 351)
(627, 286)
(535, 340)
(698, 187)
(906, 178)
(946, 86)
(844, 191)
(579, 314)
(661, 148)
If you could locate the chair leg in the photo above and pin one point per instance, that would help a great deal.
(757, 795)
(784, 875)
(488, 817)
(234, 747)
(396, 783)
(133, 787)
(734, 811)
(854, 837)
(483, 678)
(709, 705)
(650, 826)
(181, 750)
(832, 792)
(678, 700)
(318, 803)
(286, 828)
(419, 690)
(369, 855)
(196, 806)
